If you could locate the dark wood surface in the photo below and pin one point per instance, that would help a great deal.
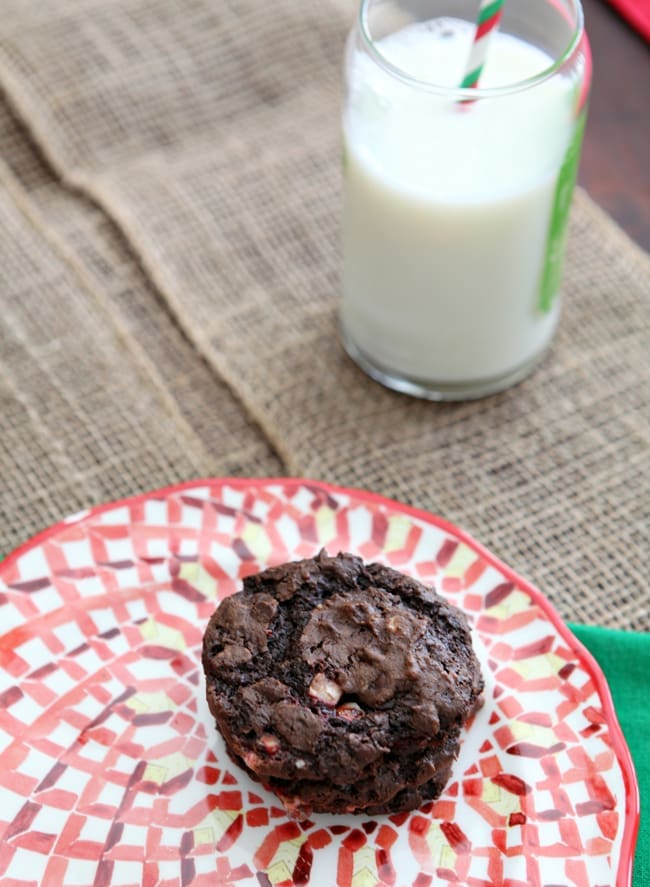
(615, 165)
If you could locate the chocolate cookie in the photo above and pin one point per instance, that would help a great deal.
(342, 686)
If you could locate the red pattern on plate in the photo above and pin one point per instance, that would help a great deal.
(111, 771)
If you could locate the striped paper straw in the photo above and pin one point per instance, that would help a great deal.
(489, 16)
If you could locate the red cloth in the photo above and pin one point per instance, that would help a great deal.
(637, 13)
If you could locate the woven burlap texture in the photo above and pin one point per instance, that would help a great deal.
(74, 393)
(232, 441)
(57, 464)
(208, 133)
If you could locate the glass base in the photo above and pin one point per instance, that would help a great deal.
(472, 389)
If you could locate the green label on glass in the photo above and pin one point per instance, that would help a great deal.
(557, 230)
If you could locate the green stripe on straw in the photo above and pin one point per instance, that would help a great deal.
(471, 77)
(489, 10)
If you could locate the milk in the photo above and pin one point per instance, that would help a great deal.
(447, 207)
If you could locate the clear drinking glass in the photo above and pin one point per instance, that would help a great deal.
(456, 200)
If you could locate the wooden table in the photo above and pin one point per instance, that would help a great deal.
(615, 166)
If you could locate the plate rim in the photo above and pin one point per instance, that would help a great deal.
(619, 743)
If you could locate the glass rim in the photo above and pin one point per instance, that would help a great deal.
(459, 93)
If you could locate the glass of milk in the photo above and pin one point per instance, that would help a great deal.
(456, 201)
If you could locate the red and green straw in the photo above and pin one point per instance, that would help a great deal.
(487, 22)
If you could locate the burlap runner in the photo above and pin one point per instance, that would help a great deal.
(54, 463)
(94, 243)
(208, 132)
(74, 393)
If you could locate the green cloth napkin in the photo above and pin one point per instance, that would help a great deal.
(625, 659)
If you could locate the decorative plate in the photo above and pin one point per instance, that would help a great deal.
(112, 773)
